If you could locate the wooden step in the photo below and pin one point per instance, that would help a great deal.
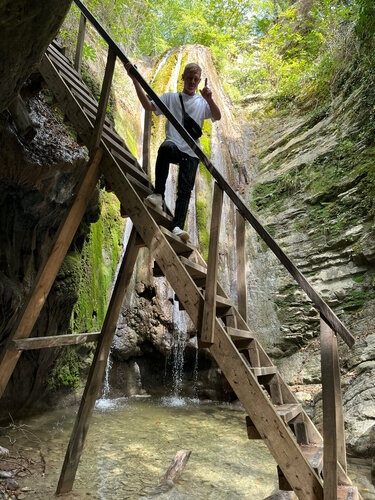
(222, 305)
(288, 411)
(128, 167)
(196, 271)
(67, 73)
(260, 371)
(111, 137)
(239, 335)
(160, 217)
(179, 246)
(140, 188)
(314, 455)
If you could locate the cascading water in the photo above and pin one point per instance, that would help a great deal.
(104, 400)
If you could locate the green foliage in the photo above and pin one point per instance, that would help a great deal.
(300, 54)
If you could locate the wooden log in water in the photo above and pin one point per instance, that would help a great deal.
(177, 466)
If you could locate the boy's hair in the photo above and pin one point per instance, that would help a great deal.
(192, 68)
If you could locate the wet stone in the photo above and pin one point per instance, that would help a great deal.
(12, 484)
(4, 474)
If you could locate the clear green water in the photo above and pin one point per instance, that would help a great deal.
(131, 443)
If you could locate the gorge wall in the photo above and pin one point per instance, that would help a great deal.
(313, 188)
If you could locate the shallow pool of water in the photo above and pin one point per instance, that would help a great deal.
(131, 443)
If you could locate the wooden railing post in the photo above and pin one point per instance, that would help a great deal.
(80, 43)
(241, 265)
(104, 98)
(97, 370)
(333, 421)
(209, 310)
(146, 142)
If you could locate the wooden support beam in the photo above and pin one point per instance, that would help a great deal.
(95, 378)
(80, 43)
(53, 341)
(104, 98)
(209, 310)
(241, 265)
(48, 272)
(329, 385)
(146, 142)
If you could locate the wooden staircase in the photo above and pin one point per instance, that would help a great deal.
(274, 414)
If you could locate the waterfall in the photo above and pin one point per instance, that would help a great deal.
(103, 401)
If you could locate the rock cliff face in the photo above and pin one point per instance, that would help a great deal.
(26, 30)
(37, 183)
(314, 190)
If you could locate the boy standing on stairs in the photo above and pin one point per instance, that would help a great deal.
(174, 149)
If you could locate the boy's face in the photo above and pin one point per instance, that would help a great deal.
(191, 81)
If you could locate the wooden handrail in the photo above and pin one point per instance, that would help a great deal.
(329, 316)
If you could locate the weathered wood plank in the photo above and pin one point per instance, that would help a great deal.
(236, 334)
(314, 454)
(80, 42)
(146, 142)
(288, 411)
(241, 265)
(263, 370)
(179, 246)
(209, 310)
(53, 341)
(95, 378)
(104, 98)
(49, 270)
(327, 340)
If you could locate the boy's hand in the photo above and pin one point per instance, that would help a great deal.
(128, 66)
(206, 91)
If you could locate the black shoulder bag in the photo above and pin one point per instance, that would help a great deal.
(189, 123)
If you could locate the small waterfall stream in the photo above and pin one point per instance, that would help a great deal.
(104, 400)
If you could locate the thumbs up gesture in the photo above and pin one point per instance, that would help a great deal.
(206, 92)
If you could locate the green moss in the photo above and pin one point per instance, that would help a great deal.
(99, 259)
(66, 370)
(205, 140)
(202, 224)
(160, 84)
(359, 279)
(357, 299)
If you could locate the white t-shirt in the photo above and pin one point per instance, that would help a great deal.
(195, 106)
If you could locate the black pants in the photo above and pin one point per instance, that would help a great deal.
(169, 153)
